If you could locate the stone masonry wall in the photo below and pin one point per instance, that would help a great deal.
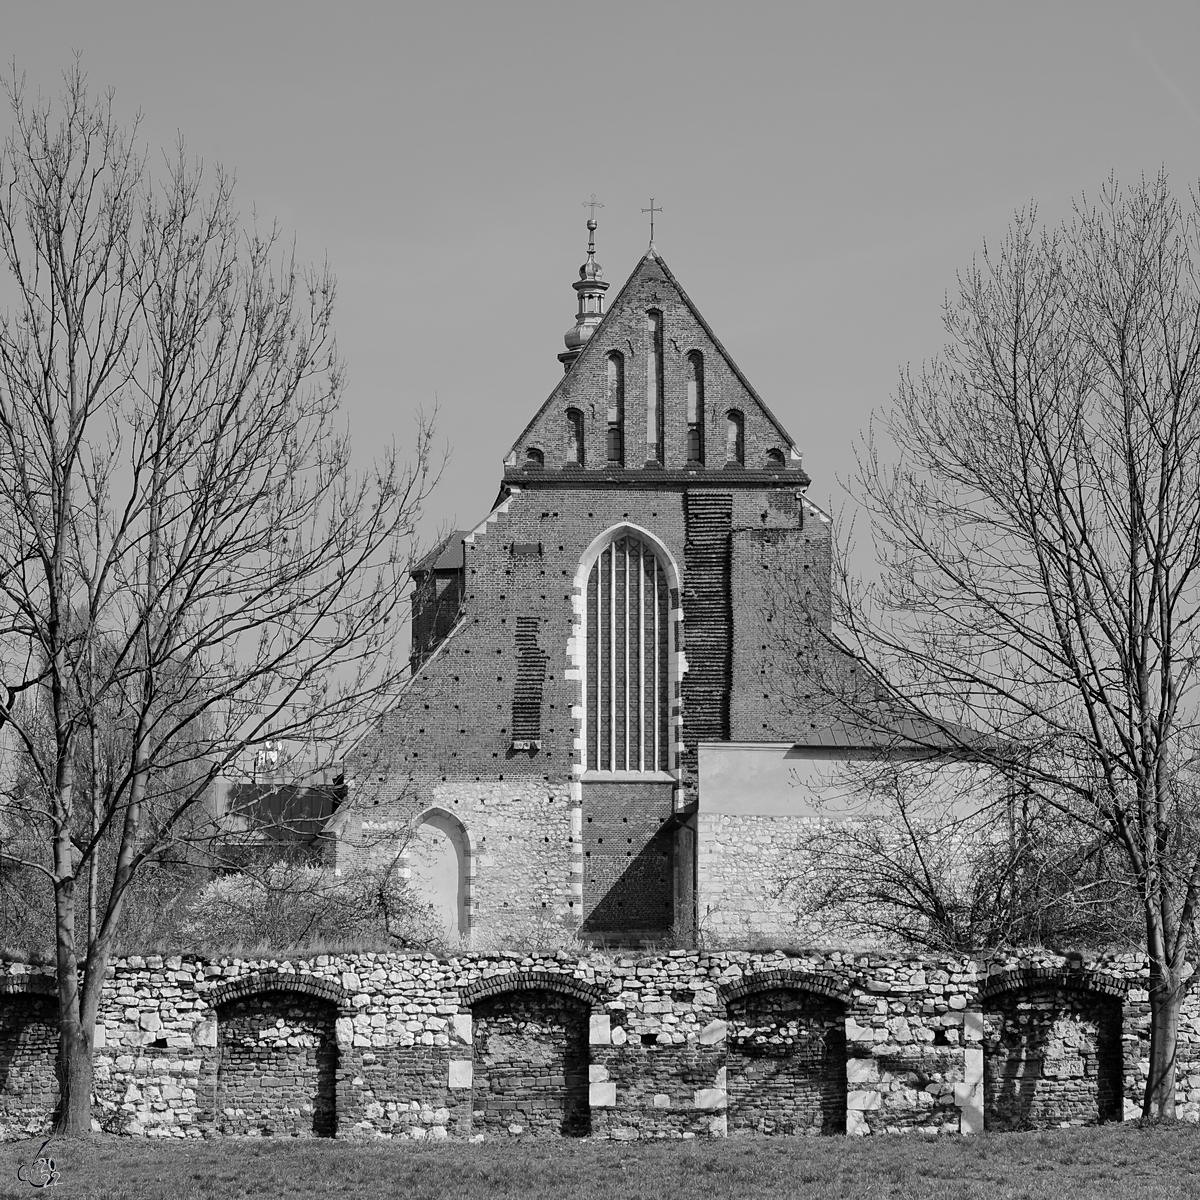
(681, 1044)
(739, 864)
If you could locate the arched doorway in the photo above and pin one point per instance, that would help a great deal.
(440, 867)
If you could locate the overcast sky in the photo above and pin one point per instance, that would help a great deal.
(824, 170)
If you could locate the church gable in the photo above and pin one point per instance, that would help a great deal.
(652, 387)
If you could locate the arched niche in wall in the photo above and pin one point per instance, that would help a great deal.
(1052, 1052)
(530, 1053)
(28, 1049)
(785, 1066)
(277, 1055)
(440, 862)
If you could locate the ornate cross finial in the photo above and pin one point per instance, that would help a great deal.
(594, 204)
(652, 210)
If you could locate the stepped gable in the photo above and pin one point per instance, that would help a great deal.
(545, 447)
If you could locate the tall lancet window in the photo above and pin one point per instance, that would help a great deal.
(575, 437)
(625, 679)
(735, 437)
(695, 407)
(654, 386)
(616, 410)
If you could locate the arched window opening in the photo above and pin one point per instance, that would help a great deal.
(627, 697)
(616, 410)
(735, 444)
(695, 407)
(774, 458)
(575, 437)
(654, 386)
(534, 457)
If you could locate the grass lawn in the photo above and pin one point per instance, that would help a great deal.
(1114, 1163)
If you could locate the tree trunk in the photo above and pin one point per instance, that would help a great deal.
(74, 1117)
(74, 1065)
(1167, 991)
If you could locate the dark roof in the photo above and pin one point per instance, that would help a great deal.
(891, 733)
(286, 812)
(447, 555)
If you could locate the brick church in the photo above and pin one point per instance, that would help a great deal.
(588, 732)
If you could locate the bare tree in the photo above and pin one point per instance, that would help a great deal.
(930, 857)
(189, 565)
(1039, 547)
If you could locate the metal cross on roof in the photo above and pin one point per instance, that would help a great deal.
(594, 204)
(652, 210)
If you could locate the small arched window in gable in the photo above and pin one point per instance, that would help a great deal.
(574, 437)
(735, 437)
(616, 409)
(534, 457)
(774, 458)
(695, 407)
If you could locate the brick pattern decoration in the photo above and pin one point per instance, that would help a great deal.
(708, 620)
(1051, 1056)
(628, 841)
(28, 1046)
(786, 1064)
(530, 981)
(821, 985)
(530, 683)
(277, 1065)
(531, 1064)
(1067, 979)
(278, 981)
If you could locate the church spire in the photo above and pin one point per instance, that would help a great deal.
(590, 288)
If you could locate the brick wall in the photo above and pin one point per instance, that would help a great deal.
(627, 859)
(28, 1045)
(786, 1065)
(531, 1065)
(276, 1066)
